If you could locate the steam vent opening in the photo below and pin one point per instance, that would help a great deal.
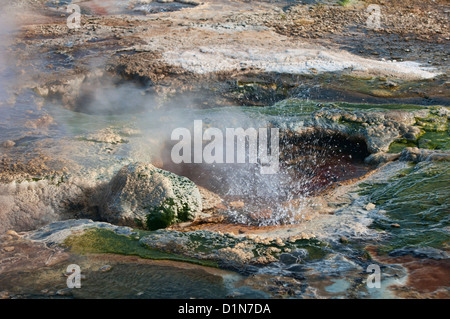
(309, 164)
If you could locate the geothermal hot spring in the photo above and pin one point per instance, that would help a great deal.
(336, 212)
(99, 138)
(308, 164)
(114, 125)
(141, 127)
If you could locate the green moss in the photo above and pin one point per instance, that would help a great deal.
(139, 223)
(344, 2)
(166, 214)
(365, 106)
(60, 181)
(418, 200)
(367, 189)
(435, 133)
(399, 145)
(405, 171)
(435, 140)
(100, 241)
(367, 255)
(435, 121)
(52, 179)
(316, 249)
(288, 107)
(184, 213)
(161, 216)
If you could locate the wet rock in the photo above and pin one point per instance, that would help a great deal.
(105, 136)
(191, 2)
(28, 255)
(395, 225)
(8, 144)
(412, 133)
(57, 232)
(237, 205)
(300, 253)
(210, 200)
(421, 252)
(105, 268)
(288, 259)
(343, 240)
(333, 264)
(235, 294)
(228, 250)
(279, 242)
(234, 257)
(41, 123)
(143, 195)
(42, 91)
(296, 268)
(4, 295)
(66, 292)
(9, 236)
(378, 129)
(27, 205)
(414, 154)
(390, 84)
(6, 238)
(380, 158)
(398, 116)
(172, 241)
(12, 233)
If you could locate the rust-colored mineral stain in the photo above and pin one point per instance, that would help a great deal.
(224, 227)
(424, 275)
(103, 7)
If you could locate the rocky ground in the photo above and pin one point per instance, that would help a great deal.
(200, 55)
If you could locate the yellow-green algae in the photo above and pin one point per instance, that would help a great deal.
(102, 241)
(418, 200)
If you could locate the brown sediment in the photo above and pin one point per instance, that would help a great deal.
(427, 278)
(133, 46)
(220, 226)
(277, 286)
(26, 167)
(19, 255)
(111, 258)
(100, 7)
(410, 29)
